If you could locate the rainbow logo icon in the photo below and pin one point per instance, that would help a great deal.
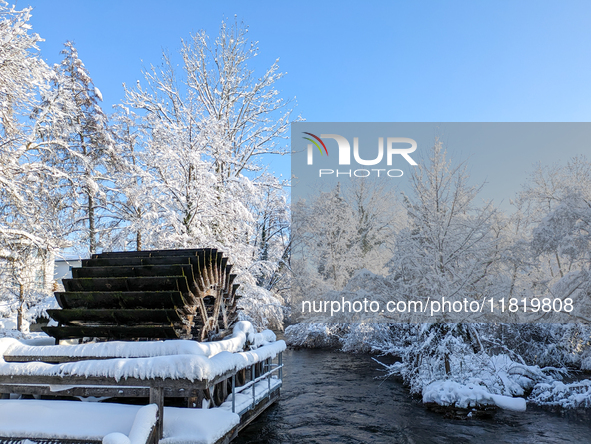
(314, 142)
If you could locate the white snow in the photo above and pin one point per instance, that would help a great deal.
(112, 423)
(116, 438)
(144, 421)
(573, 395)
(63, 419)
(244, 399)
(184, 366)
(196, 426)
(450, 393)
(243, 333)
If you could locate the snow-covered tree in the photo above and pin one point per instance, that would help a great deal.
(251, 118)
(200, 134)
(22, 72)
(271, 240)
(73, 127)
(133, 206)
(29, 233)
(449, 248)
(326, 230)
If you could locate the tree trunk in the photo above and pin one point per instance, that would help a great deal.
(91, 226)
(21, 308)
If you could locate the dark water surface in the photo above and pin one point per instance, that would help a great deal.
(332, 397)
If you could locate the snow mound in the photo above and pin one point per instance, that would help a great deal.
(450, 393)
(116, 438)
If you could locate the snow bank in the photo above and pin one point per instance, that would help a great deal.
(194, 367)
(450, 393)
(243, 334)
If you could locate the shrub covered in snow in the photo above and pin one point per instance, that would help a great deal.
(556, 393)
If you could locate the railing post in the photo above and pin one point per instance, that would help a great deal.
(280, 361)
(253, 385)
(269, 366)
(234, 393)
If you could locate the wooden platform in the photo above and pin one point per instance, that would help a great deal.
(247, 392)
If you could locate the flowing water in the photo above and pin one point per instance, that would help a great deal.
(333, 397)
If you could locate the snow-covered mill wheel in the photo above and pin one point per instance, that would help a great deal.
(159, 294)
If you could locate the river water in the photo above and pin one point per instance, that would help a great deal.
(333, 397)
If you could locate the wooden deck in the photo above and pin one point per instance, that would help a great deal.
(253, 400)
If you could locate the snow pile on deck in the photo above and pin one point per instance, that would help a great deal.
(570, 396)
(207, 362)
(197, 426)
(111, 423)
(191, 367)
(68, 419)
(450, 393)
(244, 399)
(243, 334)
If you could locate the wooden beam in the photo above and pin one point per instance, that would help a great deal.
(157, 397)
(104, 380)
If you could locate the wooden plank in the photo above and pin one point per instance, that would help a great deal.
(85, 392)
(96, 391)
(104, 380)
(112, 332)
(56, 359)
(263, 404)
(133, 261)
(134, 271)
(153, 283)
(149, 253)
(121, 299)
(118, 316)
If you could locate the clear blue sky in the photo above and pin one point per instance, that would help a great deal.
(359, 61)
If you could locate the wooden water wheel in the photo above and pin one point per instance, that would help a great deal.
(159, 294)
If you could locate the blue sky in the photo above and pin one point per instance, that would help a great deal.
(422, 61)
